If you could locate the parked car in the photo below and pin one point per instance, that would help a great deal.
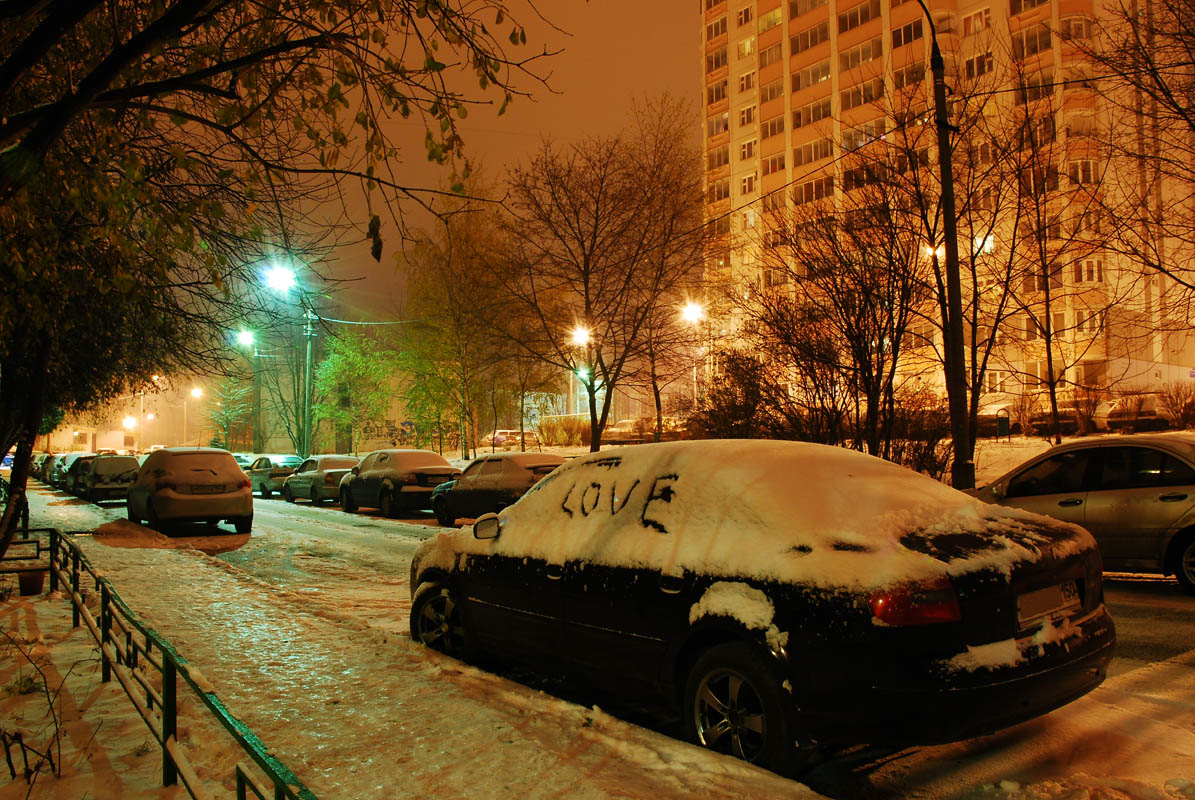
(490, 483)
(507, 439)
(110, 478)
(1074, 416)
(191, 484)
(243, 459)
(57, 477)
(626, 431)
(389, 480)
(1135, 494)
(1138, 412)
(318, 478)
(47, 467)
(267, 472)
(76, 473)
(784, 595)
(35, 466)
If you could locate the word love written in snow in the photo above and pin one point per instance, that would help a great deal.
(586, 499)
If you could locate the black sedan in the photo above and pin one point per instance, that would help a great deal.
(393, 480)
(785, 596)
(490, 484)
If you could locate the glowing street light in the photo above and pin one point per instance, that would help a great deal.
(279, 278)
(692, 312)
(581, 336)
(245, 338)
(129, 423)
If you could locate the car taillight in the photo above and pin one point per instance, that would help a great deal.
(161, 484)
(328, 478)
(408, 477)
(923, 603)
(244, 484)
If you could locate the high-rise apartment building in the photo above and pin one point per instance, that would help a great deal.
(798, 92)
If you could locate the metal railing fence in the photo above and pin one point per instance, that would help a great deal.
(149, 669)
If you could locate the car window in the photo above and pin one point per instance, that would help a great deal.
(472, 470)
(306, 466)
(383, 458)
(1143, 467)
(345, 462)
(490, 469)
(1058, 474)
(261, 463)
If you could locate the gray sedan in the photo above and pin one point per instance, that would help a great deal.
(1135, 494)
(318, 479)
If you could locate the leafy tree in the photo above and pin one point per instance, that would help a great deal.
(353, 382)
(230, 403)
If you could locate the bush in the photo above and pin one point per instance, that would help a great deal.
(1177, 399)
(921, 433)
(565, 430)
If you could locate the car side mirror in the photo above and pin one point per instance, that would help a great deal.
(355, 470)
(487, 526)
(998, 491)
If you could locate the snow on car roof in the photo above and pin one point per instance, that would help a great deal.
(771, 510)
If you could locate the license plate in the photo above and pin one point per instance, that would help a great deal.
(207, 488)
(434, 479)
(1034, 606)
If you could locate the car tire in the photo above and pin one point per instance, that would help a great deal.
(436, 621)
(151, 516)
(286, 495)
(243, 524)
(346, 501)
(129, 509)
(386, 502)
(440, 508)
(316, 500)
(732, 690)
(264, 490)
(1184, 563)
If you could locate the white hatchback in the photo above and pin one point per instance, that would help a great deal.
(191, 484)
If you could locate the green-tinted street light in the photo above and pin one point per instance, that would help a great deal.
(245, 338)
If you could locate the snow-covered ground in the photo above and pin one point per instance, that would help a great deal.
(301, 630)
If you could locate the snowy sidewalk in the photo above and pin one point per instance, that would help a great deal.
(360, 713)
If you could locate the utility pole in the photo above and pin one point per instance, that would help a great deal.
(309, 332)
(962, 469)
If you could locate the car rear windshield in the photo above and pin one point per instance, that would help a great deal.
(114, 466)
(198, 462)
(416, 459)
(339, 463)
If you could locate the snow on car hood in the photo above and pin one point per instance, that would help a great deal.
(769, 510)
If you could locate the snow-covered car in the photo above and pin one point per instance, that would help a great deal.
(785, 596)
(268, 471)
(625, 431)
(76, 474)
(191, 484)
(490, 483)
(389, 480)
(318, 479)
(508, 439)
(1134, 493)
(1139, 412)
(62, 467)
(109, 478)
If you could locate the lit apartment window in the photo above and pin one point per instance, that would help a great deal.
(719, 123)
(772, 127)
(811, 113)
(715, 59)
(1070, 28)
(860, 93)
(771, 19)
(979, 21)
(747, 150)
(911, 75)
(746, 81)
(715, 29)
(906, 34)
(856, 137)
(798, 7)
(719, 190)
(772, 90)
(858, 15)
(746, 48)
(1081, 172)
(773, 164)
(1017, 6)
(771, 55)
(747, 184)
(868, 51)
(746, 115)
(813, 151)
(718, 157)
(813, 190)
(715, 92)
(748, 217)
(811, 75)
(979, 65)
(1030, 41)
(810, 37)
(745, 15)
(994, 380)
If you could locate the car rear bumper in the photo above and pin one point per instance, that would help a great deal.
(944, 708)
(177, 507)
(108, 492)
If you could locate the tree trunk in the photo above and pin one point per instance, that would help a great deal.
(30, 421)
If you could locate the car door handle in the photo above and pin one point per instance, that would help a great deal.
(1173, 498)
(1071, 501)
(554, 572)
(671, 584)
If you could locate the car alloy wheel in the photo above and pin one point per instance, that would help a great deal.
(734, 704)
(265, 492)
(1185, 564)
(346, 501)
(436, 621)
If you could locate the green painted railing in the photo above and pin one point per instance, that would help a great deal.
(135, 654)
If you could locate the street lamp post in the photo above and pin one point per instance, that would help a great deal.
(282, 279)
(195, 393)
(962, 470)
(693, 313)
